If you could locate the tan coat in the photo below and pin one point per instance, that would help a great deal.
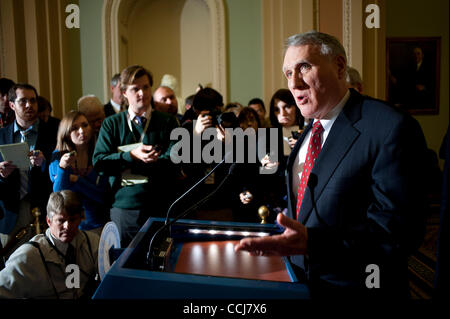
(25, 275)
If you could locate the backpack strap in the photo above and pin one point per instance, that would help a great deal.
(91, 252)
(89, 245)
(36, 245)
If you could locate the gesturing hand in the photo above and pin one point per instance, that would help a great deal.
(293, 241)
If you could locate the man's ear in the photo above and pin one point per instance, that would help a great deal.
(48, 220)
(341, 66)
(11, 106)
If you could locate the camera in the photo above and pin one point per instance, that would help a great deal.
(210, 100)
(295, 135)
(226, 120)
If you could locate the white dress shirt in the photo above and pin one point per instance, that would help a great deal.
(115, 106)
(327, 122)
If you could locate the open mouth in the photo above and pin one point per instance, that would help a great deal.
(302, 99)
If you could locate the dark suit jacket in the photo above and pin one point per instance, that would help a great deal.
(109, 109)
(40, 185)
(369, 196)
(442, 278)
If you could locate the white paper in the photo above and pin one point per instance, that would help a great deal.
(16, 153)
(129, 179)
(128, 147)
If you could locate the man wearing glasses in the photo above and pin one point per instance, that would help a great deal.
(22, 189)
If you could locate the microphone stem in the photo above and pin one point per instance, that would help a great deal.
(167, 224)
(190, 189)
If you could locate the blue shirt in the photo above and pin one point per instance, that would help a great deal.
(32, 134)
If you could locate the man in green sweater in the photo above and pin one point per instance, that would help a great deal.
(133, 149)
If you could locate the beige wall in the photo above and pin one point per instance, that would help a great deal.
(196, 45)
(154, 37)
(330, 17)
(154, 33)
(37, 48)
(281, 19)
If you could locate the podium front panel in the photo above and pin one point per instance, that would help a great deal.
(201, 267)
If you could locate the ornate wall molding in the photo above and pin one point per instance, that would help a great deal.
(347, 29)
(108, 49)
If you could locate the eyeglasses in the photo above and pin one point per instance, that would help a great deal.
(23, 101)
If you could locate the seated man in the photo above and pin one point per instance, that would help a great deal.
(38, 269)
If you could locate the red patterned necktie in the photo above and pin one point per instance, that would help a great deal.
(314, 147)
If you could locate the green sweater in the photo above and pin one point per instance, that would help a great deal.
(108, 160)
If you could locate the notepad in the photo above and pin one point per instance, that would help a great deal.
(17, 153)
(128, 147)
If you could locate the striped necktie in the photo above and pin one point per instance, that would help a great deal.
(24, 178)
(141, 120)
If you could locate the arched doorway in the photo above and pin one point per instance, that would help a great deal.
(161, 35)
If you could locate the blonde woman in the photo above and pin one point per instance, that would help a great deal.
(71, 168)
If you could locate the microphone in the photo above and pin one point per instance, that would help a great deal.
(312, 183)
(192, 188)
(167, 224)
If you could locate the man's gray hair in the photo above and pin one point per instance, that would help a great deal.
(329, 45)
(89, 103)
(115, 79)
(65, 200)
(353, 77)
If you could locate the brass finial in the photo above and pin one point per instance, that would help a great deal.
(263, 213)
(36, 213)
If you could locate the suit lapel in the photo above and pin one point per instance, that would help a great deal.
(339, 141)
(10, 134)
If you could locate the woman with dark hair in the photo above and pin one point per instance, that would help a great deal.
(71, 168)
(285, 114)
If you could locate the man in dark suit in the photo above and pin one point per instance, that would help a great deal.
(355, 178)
(22, 190)
(116, 103)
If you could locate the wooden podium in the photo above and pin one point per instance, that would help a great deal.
(202, 264)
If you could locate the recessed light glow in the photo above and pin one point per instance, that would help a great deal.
(227, 232)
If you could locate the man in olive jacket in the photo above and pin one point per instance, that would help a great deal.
(60, 264)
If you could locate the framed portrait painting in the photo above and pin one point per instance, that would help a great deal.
(412, 71)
